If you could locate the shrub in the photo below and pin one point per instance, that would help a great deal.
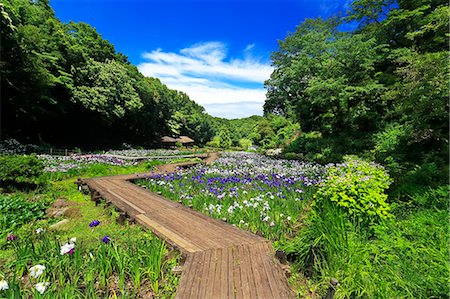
(215, 142)
(357, 187)
(387, 142)
(17, 211)
(432, 198)
(245, 143)
(23, 172)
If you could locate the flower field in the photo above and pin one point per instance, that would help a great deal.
(265, 196)
(88, 255)
(153, 152)
(131, 264)
(334, 220)
(66, 163)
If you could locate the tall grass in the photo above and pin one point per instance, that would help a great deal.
(407, 258)
(135, 264)
(126, 269)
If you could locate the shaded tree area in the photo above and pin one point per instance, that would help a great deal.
(63, 84)
(380, 90)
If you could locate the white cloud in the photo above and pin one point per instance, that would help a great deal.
(235, 110)
(203, 72)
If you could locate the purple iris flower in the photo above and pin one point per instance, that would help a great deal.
(11, 237)
(106, 239)
(94, 223)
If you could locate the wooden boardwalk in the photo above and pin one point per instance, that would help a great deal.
(222, 261)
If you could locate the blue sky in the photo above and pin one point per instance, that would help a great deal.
(218, 52)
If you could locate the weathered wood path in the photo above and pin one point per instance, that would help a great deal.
(222, 261)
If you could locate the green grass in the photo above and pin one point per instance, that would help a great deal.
(402, 258)
(100, 169)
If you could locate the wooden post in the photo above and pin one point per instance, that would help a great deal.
(121, 219)
(95, 196)
(281, 256)
(51, 151)
(65, 152)
(332, 288)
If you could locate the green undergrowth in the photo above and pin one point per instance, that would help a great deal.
(133, 263)
(101, 169)
(404, 257)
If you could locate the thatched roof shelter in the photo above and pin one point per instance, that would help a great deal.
(167, 139)
(184, 140)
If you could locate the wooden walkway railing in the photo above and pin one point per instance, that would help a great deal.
(222, 261)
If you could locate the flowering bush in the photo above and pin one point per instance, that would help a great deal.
(357, 187)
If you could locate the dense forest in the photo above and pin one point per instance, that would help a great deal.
(380, 90)
(64, 84)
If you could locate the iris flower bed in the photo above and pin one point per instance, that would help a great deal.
(251, 191)
(66, 163)
(45, 266)
(332, 221)
(152, 152)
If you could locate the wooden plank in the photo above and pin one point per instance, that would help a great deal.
(211, 277)
(261, 254)
(185, 275)
(224, 275)
(217, 282)
(201, 287)
(232, 285)
(237, 268)
(247, 285)
(169, 235)
(256, 275)
(196, 278)
(185, 227)
(136, 208)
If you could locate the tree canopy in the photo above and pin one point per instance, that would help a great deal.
(380, 90)
(64, 84)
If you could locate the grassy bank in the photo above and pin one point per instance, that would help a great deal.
(107, 260)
